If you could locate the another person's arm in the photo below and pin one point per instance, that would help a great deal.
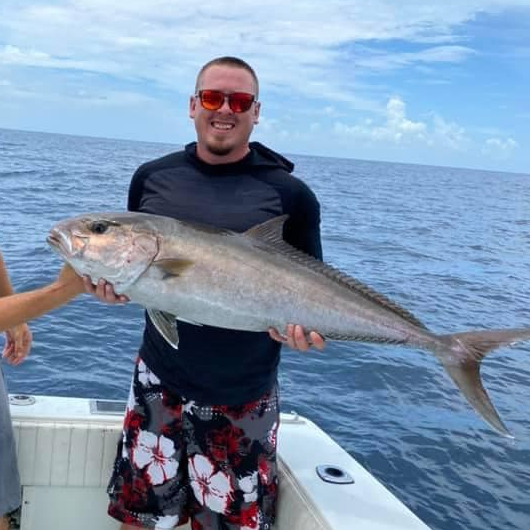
(16, 309)
(5, 284)
(18, 338)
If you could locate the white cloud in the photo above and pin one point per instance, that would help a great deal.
(436, 134)
(271, 127)
(268, 124)
(77, 96)
(14, 56)
(449, 134)
(397, 127)
(440, 134)
(326, 58)
(499, 148)
(440, 54)
(164, 41)
(398, 121)
(336, 112)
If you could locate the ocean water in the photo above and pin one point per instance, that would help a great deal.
(451, 245)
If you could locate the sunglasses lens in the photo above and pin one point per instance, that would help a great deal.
(237, 101)
(211, 99)
(240, 101)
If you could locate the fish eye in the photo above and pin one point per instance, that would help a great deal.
(98, 227)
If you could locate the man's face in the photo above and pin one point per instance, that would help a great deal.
(222, 135)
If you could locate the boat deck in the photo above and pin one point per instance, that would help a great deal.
(66, 447)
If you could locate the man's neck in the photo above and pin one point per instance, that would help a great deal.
(210, 158)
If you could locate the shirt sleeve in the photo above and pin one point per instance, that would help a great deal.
(136, 190)
(302, 229)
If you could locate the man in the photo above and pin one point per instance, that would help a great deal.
(199, 437)
(15, 310)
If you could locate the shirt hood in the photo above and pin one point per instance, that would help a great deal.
(259, 156)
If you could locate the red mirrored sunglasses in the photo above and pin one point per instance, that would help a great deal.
(214, 100)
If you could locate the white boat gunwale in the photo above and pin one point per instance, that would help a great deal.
(66, 445)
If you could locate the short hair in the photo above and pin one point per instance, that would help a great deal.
(233, 62)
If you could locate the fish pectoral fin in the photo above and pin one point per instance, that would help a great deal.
(166, 324)
(173, 267)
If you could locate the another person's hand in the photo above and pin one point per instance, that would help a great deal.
(68, 276)
(103, 291)
(295, 337)
(17, 344)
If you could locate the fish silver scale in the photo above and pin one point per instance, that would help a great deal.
(237, 284)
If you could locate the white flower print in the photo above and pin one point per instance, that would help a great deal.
(249, 486)
(124, 452)
(155, 453)
(189, 407)
(131, 403)
(271, 438)
(145, 376)
(211, 489)
(167, 522)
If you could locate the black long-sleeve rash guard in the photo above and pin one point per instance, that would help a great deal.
(212, 365)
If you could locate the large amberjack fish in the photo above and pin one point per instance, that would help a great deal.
(254, 281)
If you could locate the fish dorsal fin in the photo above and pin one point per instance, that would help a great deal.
(173, 267)
(271, 234)
(270, 231)
(370, 294)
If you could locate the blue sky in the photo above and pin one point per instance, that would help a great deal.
(443, 83)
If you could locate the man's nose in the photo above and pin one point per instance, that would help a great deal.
(225, 107)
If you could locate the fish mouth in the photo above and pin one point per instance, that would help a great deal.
(60, 243)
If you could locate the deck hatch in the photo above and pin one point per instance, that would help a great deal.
(107, 406)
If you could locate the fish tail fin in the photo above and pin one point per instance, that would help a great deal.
(462, 361)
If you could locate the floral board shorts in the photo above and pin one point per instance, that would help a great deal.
(180, 460)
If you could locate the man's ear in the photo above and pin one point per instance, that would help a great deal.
(193, 104)
(257, 107)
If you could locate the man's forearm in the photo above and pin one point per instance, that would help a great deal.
(21, 307)
(5, 284)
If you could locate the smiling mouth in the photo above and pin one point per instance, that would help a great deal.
(220, 126)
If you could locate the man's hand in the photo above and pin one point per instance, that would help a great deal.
(103, 291)
(295, 337)
(17, 344)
